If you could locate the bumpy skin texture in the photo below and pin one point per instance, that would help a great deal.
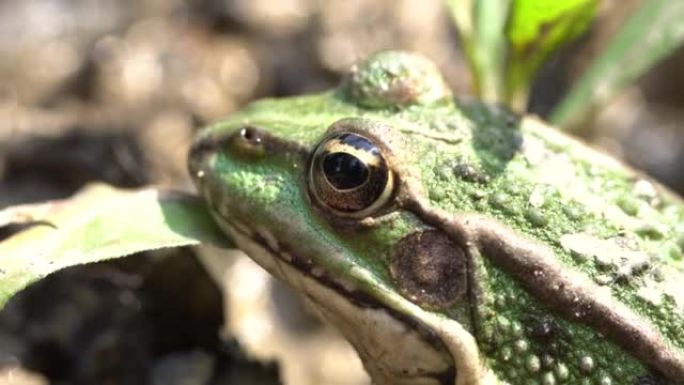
(573, 262)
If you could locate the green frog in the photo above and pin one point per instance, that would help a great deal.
(453, 242)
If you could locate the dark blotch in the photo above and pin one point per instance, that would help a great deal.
(429, 269)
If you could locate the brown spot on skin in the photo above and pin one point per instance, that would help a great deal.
(429, 269)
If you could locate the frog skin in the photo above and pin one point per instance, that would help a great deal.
(449, 241)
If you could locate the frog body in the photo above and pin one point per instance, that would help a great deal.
(452, 242)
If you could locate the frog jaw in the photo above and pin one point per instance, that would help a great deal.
(392, 351)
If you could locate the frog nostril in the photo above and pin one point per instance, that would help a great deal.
(251, 135)
(249, 141)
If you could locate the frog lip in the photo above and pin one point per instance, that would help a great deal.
(280, 252)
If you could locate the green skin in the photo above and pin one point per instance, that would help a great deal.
(501, 251)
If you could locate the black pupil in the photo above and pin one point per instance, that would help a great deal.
(344, 171)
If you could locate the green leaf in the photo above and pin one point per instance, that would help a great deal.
(481, 24)
(655, 30)
(99, 223)
(536, 29)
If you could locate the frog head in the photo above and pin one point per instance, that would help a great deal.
(377, 202)
(310, 188)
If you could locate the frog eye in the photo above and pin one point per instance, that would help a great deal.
(349, 175)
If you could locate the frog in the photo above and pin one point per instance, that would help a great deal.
(450, 241)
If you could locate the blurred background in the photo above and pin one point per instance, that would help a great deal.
(101, 90)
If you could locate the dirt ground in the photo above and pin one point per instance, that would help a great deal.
(100, 90)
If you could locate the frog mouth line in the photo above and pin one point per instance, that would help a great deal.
(281, 252)
(306, 266)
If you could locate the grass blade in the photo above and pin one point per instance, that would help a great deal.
(536, 29)
(655, 30)
(481, 25)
